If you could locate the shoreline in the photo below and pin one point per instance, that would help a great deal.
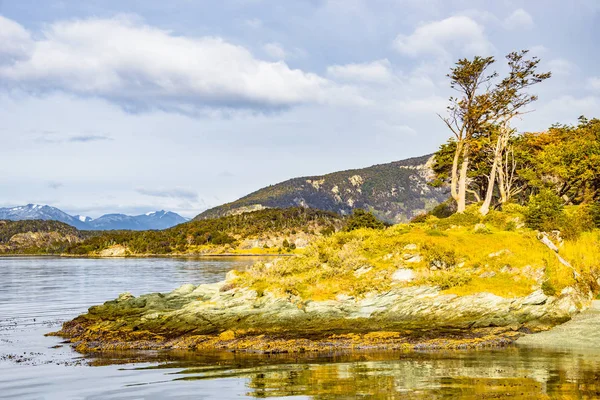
(80, 338)
(191, 256)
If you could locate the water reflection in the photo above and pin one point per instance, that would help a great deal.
(503, 373)
(37, 294)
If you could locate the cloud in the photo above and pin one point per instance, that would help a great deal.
(594, 83)
(55, 185)
(275, 50)
(142, 67)
(442, 38)
(519, 19)
(375, 71)
(53, 137)
(561, 66)
(174, 193)
(15, 42)
(87, 138)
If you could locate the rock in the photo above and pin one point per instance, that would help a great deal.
(536, 298)
(434, 265)
(301, 243)
(481, 228)
(362, 270)
(125, 296)
(488, 274)
(227, 335)
(499, 253)
(414, 259)
(403, 275)
(410, 246)
(231, 275)
(183, 290)
(114, 251)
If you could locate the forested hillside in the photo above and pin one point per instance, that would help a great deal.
(394, 192)
(265, 231)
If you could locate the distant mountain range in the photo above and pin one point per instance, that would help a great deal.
(153, 220)
(394, 192)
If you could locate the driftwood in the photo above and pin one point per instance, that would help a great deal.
(543, 237)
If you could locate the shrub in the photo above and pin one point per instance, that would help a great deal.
(544, 211)
(575, 220)
(595, 214)
(418, 219)
(362, 219)
(445, 209)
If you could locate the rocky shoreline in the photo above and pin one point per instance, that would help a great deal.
(222, 316)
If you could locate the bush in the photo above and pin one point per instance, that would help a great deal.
(445, 209)
(418, 219)
(362, 219)
(595, 214)
(575, 220)
(468, 218)
(544, 211)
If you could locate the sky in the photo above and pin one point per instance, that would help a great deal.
(139, 105)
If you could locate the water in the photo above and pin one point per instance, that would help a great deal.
(37, 294)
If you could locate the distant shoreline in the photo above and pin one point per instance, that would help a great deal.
(226, 255)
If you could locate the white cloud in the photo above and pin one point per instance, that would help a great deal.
(275, 50)
(15, 41)
(375, 71)
(560, 66)
(442, 38)
(139, 66)
(176, 193)
(594, 83)
(519, 19)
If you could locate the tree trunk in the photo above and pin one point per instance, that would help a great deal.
(454, 181)
(462, 183)
(485, 207)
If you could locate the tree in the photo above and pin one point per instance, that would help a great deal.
(467, 114)
(483, 112)
(507, 101)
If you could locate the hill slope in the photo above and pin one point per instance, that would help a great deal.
(271, 231)
(394, 192)
(38, 236)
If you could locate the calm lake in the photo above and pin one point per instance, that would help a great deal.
(38, 294)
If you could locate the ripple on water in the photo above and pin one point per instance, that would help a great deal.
(37, 294)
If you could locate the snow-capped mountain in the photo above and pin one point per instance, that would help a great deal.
(161, 219)
(37, 211)
(109, 222)
(83, 218)
(153, 220)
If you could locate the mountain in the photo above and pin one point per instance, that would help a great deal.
(154, 220)
(36, 211)
(109, 222)
(83, 218)
(161, 219)
(394, 192)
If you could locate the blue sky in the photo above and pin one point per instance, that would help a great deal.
(132, 106)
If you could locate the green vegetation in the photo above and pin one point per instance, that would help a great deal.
(363, 219)
(393, 192)
(450, 253)
(270, 231)
(38, 237)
